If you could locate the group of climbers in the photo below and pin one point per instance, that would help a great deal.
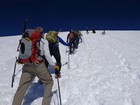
(35, 51)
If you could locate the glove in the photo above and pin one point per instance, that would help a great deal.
(55, 67)
(57, 74)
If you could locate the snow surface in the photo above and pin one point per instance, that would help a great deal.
(105, 70)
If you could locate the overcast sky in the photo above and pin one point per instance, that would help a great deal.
(69, 14)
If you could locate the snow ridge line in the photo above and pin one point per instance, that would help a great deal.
(119, 55)
(136, 44)
(128, 99)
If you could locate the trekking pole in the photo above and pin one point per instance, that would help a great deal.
(13, 76)
(68, 60)
(65, 64)
(66, 49)
(25, 25)
(24, 28)
(18, 72)
(59, 91)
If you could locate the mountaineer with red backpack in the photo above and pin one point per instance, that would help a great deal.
(32, 47)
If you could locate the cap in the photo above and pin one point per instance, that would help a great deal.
(39, 29)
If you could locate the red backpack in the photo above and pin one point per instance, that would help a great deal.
(29, 48)
(71, 35)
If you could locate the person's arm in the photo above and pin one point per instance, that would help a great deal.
(46, 52)
(62, 41)
(68, 37)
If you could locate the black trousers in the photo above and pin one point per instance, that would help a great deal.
(72, 45)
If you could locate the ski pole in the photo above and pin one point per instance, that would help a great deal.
(13, 76)
(59, 91)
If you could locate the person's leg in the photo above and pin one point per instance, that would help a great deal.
(45, 77)
(46, 64)
(75, 44)
(25, 81)
(70, 47)
(56, 53)
(57, 57)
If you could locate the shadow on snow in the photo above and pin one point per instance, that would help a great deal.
(35, 91)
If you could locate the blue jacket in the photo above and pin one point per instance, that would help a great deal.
(61, 41)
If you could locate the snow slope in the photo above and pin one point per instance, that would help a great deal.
(105, 70)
